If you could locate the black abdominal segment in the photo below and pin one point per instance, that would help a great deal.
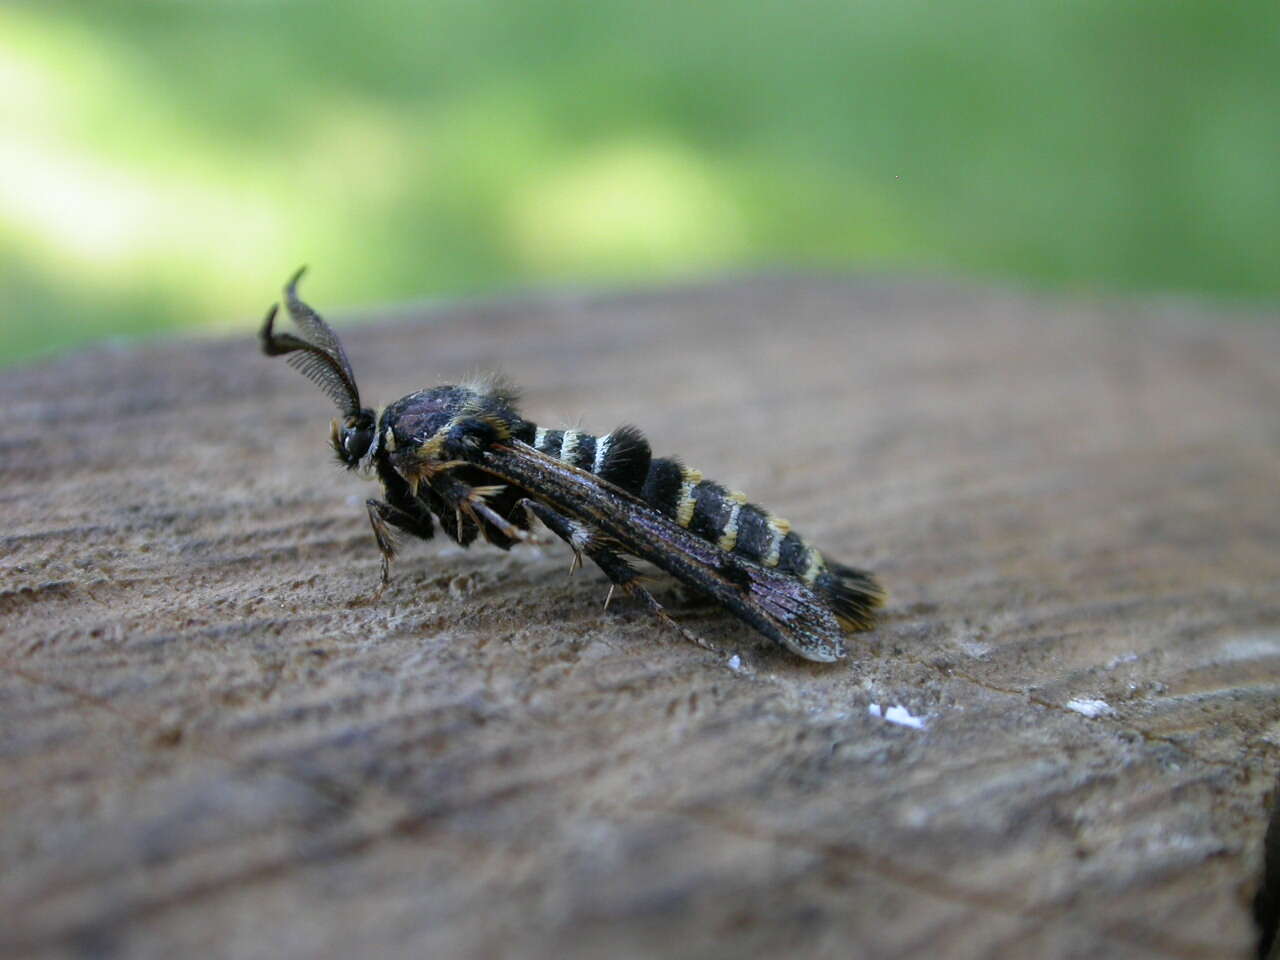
(707, 509)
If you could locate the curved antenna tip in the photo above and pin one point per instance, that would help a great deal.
(291, 286)
(271, 343)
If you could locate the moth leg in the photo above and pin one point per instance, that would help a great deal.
(622, 574)
(471, 501)
(560, 525)
(616, 568)
(381, 515)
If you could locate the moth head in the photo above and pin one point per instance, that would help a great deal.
(319, 356)
(352, 437)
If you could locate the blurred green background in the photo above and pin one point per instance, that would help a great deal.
(168, 163)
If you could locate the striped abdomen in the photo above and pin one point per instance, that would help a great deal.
(723, 517)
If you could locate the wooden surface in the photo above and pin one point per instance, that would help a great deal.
(214, 742)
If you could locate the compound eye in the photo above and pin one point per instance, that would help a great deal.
(354, 439)
(352, 445)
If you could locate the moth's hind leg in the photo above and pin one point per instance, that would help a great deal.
(623, 575)
(615, 567)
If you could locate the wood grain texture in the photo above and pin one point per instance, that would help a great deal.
(215, 741)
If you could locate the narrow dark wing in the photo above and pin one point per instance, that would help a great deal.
(779, 605)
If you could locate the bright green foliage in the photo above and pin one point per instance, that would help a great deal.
(168, 163)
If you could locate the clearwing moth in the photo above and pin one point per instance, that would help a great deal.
(463, 456)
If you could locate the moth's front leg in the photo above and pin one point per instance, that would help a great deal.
(615, 567)
(383, 516)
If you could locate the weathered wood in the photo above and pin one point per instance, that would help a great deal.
(214, 740)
